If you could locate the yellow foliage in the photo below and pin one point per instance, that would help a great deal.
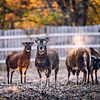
(96, 1)
(55, 5)
(25, 24)
(1, 9)
(11, 17)
(46, 12)
(14, 4)
(32, 17)
(36, 3)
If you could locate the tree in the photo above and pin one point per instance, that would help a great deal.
(37, 14)
(78, 12)
(28, 14)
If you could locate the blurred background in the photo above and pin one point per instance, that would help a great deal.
(68, 24)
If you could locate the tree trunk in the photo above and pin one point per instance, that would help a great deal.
(82, 12)
(2, 23)
(68, 20)
(61, 5)
(85, 11)
(74, 13)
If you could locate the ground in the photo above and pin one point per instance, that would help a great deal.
(31, 90)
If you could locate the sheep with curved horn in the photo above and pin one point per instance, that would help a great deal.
(46, 60)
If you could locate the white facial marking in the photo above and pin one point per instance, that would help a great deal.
(27, 50)
(41, 52)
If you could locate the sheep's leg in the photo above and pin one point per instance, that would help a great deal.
(40, 82)
(11, 76)
(88, 76)
(77, 74)
(47, 82)
(92, 77)
(96, 80)
(68, 75)
(21, 75)
(47, 73)
(8, 69)
(56, 71)
(85, 75)
(90, 71)
(25, 75)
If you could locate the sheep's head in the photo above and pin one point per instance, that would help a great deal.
(41, 45)
(28, 46)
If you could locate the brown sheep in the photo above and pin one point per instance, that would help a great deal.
(79, 59)
(46, 60)
(19, 60)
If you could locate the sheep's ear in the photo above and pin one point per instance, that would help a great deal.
(32, 43)
(37, 40)
(47, 39)
(24, 43)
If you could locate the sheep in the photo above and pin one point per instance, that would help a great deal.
(79, 59)
(94, 52)
(46, 60)
(95, 62)
(95, 66)
(19, 60)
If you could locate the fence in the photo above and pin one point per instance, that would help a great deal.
(62, 39)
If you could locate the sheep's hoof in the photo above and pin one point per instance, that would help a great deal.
(22, 83)
(92, 83)
(68, 83)
(43, 92)
(77, 84)
(88, 82)
(80, 83)
(83, 83)
(96, 82)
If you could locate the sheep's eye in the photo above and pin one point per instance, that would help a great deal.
(44, 42)
(38, 41)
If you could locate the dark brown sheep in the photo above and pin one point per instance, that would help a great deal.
(95, 59)
(79, 59)
(94, 52)
(46, 60)
(20, 60)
